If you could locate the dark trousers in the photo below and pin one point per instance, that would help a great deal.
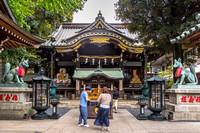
(102, 118)
(83, 115)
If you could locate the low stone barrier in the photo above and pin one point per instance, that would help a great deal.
(183, 105)
(15, 102)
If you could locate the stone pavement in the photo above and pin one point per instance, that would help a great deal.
(123, 122)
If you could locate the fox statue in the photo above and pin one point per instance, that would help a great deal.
(15, 74)
(189, 77)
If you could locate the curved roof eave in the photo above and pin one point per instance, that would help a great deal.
(16, 27)
(186, 34)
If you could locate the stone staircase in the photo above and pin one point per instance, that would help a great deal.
(122, 104)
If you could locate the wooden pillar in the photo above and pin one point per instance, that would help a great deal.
(84, 86)
(65, 95)
(120, 88)
(121, 61)
(52, 65)
(77, 88)
(133, 92)
(111, 87)
(77, 61)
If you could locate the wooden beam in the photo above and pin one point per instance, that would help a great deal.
(13, 44)
(9, 43)
(6, 44)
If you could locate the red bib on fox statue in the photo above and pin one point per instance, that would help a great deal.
(178, 72)
(21, 71)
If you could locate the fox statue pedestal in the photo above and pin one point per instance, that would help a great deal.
(184, 100)
(14, 93)
(15, 102)
(184, 103)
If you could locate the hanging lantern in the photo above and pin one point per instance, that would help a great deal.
(86, 60)
(105, 61)
(93, 61)
(112, 61)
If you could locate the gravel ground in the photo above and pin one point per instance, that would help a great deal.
(135, 112)
(61, 111)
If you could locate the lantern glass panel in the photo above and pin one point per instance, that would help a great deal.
(153, 96)
(163, 95)
(158, 96)
(39, 95)
(44, 94)
(33, 96)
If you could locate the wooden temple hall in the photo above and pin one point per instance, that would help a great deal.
(100, 54)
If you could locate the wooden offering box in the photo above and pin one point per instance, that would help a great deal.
(92, 109)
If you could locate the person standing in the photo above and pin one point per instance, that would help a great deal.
(102, 118)
(115, 99)
(83, 107)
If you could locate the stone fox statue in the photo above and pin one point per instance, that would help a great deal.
(189, 77)
(15, 74)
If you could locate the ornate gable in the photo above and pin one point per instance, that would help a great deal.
(99, 24)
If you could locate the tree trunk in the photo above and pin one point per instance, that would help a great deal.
(178, 53)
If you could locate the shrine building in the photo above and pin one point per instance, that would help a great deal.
(100, 54)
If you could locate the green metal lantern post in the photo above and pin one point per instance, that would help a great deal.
(142, 101)
(40, 99)
(54, 101)
(156, 87)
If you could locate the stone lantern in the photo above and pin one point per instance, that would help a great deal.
(40, 100)
(156, 87)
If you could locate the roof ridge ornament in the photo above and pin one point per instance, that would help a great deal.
(99, 17)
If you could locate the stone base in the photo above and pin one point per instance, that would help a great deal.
(156, 117)
(13, 85)
(15, 102)
(142, 117)
(183, 105)
(187, 86)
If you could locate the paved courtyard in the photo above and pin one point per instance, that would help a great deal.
(123, 122)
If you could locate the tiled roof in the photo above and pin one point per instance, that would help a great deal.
(71, 34)
(65, 33)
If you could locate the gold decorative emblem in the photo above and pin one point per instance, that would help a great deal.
(100, 40)
(138, 51)
(76, 47)
(123, 47)
(59, 50)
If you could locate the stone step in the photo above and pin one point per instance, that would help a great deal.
(122, 104)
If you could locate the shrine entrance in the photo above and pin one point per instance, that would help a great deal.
(98, 78)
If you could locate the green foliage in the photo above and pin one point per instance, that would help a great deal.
(21, 9)
(158, 20)
(148, 66)
(168, 75)
(40, 17)
(191, 56)
(14, 56)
